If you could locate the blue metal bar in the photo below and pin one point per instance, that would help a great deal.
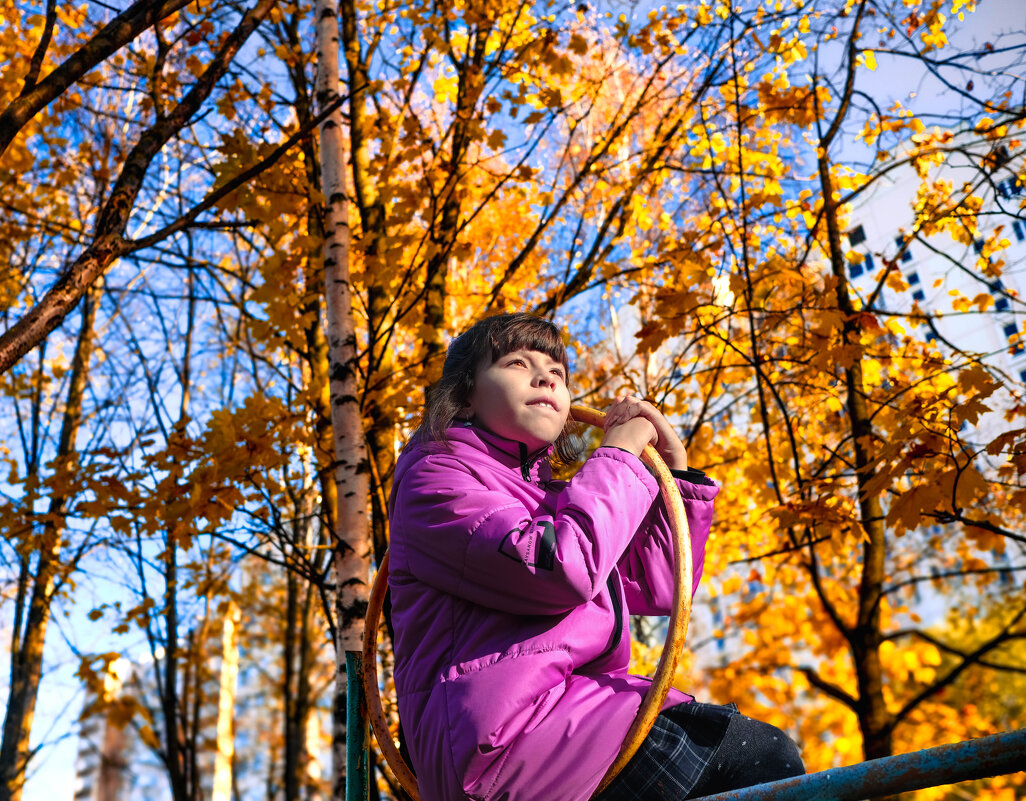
(357, 741)
(944, 764)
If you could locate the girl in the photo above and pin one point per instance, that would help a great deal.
(511, 592)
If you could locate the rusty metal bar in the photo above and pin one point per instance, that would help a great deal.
(944, 764)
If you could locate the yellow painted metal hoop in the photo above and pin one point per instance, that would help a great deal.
(661, 679)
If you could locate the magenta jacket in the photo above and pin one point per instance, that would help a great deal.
(510, 600)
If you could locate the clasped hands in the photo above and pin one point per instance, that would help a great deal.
(632, 423)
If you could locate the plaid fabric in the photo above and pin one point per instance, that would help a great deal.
(673, 756)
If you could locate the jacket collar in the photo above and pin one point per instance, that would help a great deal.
(512, 453)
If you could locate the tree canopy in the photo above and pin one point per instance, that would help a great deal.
(796, 225)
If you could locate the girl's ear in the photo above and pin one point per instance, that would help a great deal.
(466, 410)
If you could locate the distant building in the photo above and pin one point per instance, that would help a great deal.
(881, 229)
(115, 764)
(941, 267)
(105, 749)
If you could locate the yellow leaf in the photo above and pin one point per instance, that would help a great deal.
(446, 88)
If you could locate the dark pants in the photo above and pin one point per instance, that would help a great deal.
(700, 749)
(751, 752)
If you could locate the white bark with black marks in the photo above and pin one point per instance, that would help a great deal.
(352, 534)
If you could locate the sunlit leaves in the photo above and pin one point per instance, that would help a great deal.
(567, 161)
(798, 366)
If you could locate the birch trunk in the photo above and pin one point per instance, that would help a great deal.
(302, 767)
(374, 245)
(352, 542)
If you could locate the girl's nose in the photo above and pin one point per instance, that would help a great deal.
(543, 378)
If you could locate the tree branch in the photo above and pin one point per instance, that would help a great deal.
(121, 30)
(969, 659)
(830, 689)
(108, 243)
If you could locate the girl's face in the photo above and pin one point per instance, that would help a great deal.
(522, 396)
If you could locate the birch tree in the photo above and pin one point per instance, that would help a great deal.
(352, 529)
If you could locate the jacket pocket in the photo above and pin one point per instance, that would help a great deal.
(493, 702)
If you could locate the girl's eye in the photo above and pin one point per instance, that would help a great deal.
(559, 374)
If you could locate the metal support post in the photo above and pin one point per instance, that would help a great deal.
(357, 739)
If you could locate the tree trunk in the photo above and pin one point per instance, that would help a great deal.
(299, 762)
(27, 655)
(865, 638)
(298, 658)
(380, 431)
(291, 744)
(447, 207)
(174, 685)
(351, 545)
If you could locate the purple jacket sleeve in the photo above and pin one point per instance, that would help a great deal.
(483, 545)
(647, 566)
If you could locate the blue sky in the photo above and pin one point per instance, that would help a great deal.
(53, 774)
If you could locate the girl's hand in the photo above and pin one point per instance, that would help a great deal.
(630, 435)
(627, 410)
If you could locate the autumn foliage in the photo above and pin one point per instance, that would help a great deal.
(678, 187)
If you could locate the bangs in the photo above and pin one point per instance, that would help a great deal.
(529, 334)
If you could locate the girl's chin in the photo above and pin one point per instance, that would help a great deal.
(532, 441)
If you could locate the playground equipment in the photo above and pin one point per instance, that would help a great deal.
(974, 759)
(943, 764)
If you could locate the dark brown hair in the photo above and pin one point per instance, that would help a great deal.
(492, 338)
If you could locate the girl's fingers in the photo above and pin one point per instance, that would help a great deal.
(623, 409)
(627, 407)
(616, 413)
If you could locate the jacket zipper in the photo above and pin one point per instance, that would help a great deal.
(525, 465)
(614, 596)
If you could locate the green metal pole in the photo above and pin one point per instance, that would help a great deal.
(944, 764)
(357, 738)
